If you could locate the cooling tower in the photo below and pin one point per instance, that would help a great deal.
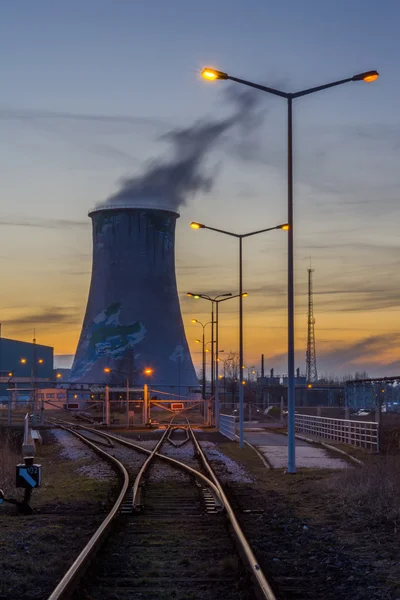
(133, 319)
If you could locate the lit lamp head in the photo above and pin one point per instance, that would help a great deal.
(244, 295)
(23, 361)
(284, 226)
(40, 361)
(107, 370)
(148, 371)
(368, 76)
(194, 321)
(213, 74)
(195, 225)
(58, 375)
(191, 295)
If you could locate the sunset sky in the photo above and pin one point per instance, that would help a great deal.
(87, 90)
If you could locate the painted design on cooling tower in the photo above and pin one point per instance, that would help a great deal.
(105, 336)
(179, 354)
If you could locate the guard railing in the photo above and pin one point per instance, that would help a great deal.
(227, 426)
(355, 433)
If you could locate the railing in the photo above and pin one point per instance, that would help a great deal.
(227, 426)
(355, 433)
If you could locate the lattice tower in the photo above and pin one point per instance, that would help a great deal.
(311, 358)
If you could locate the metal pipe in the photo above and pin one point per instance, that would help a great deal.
(216, 368)
(241, 360)
(212, 349)
(291, 398)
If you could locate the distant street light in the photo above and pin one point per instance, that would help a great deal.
(203, 325)
(214, 364)
(368, 76)
(241, 295)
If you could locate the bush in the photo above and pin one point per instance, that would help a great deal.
(9, 458)
(371, 493)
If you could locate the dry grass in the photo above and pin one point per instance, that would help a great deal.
(371, 493)
(9, 458)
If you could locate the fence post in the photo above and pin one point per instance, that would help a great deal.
(107, 405)
(145, 404)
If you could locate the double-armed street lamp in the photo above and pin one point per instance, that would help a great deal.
(147, 371)
(214, 364)
(215, 300)
(240, 237)
(203, 325)
(34, 363)
(368, 76)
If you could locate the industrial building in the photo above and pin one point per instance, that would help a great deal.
(23, 362)
(133, 320)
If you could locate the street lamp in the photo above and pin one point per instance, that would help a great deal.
(240, 237)
(214, 365)
(215, 300)
(108, 370)
(204, 355)
(34, 362)
(368, 76)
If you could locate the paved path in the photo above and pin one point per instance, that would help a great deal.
(274, 447)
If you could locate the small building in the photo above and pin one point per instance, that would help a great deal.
(23, 363)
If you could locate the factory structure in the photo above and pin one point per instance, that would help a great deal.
(27, 376)
(133, 325)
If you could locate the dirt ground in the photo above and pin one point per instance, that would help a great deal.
(37, 550)
(321, 534)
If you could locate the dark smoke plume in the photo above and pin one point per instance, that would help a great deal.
(175, 179)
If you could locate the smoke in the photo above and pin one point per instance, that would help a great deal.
(175, 179)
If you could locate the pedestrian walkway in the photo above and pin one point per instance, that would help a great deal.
(274, 447)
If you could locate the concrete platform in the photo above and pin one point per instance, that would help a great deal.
(274, 447)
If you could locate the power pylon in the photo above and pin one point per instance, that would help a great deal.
(311, 358)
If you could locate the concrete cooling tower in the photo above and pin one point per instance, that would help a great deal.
(133, 319)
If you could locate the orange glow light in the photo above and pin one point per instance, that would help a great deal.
(372, 77)
(107, 370)
(148, 371)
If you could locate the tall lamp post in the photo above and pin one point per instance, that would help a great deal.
(215, 300)
(203, 393)
(368, 76)
(214, 366)
(147, 371)
(240, 237)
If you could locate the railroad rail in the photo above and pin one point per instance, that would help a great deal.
(205, 478)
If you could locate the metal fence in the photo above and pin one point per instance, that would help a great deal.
(227, 426)
(355, 433)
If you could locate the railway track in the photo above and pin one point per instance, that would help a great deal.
(172, 533)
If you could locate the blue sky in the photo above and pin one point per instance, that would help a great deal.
(89, 87)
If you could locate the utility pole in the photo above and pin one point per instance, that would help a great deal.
(311, 358)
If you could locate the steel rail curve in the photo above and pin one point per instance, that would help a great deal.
(255, 569)
(264, 590)
(69, 581)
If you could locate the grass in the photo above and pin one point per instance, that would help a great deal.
(371, 493)
(9, 458)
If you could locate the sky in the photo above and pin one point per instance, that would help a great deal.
(89, 89)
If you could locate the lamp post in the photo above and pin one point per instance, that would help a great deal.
(214, 366)
(204, 355)
(147, 371)
(225, 360)
(240, 237)
(36, 361)
(368, 76)
(213, 301)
